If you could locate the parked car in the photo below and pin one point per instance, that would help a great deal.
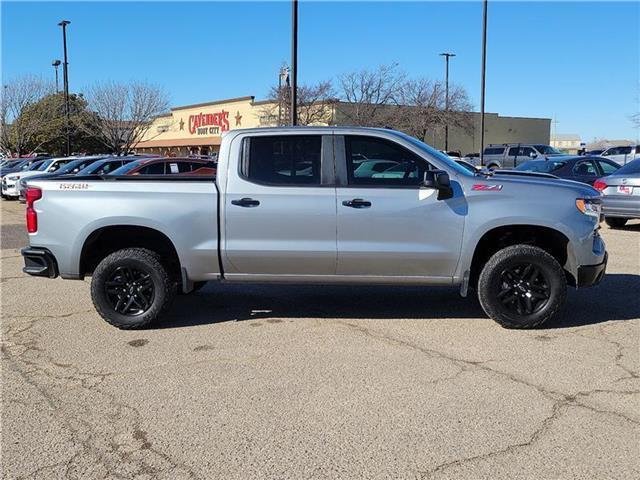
(518, 240)
(70, 168)
(594, 153)
(167, 166)
(509, 155)
(577, 168)
(620, 194)
(469, 166)
(10, 181)
(622, 154)
(106, 166)
(21, 164)
(369, 167)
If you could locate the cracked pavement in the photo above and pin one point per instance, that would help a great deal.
(282, 382)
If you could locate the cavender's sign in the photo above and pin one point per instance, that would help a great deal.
(209, 123)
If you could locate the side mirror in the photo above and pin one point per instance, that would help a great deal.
(533, 155)
(438, 180)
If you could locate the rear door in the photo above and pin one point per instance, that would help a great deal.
(585, 171)
(280, 209)
(389, 228)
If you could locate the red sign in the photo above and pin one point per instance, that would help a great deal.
(484, 187)
(218, 119)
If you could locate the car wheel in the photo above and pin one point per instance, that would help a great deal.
(131, 288)
(522, 286)
(615, 222)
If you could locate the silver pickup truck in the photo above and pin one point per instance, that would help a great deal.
(325, 206)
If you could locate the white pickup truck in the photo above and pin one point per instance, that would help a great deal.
(319, 205)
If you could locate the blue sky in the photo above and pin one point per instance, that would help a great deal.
(577, 61)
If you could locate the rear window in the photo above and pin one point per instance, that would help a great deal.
(493, 151)
(631, 168)
(283, 159)
(541, 166)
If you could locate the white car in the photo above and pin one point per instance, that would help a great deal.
(622, 154)
(10, 180)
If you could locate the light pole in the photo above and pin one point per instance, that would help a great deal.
(446, 97)
(294, 63)
(484, 73)
(65, 77)
(56, 63)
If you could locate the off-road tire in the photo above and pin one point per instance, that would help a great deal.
(142, 259)
(490, 285)
(615, 222)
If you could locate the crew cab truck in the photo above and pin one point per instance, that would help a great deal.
(286, 207)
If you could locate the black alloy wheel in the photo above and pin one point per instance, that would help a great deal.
(524, 289)
(130, 291)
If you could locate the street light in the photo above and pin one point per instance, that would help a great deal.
(65, 76)
(446, 98)
(56, 63)
(294, 63)
(484, 73)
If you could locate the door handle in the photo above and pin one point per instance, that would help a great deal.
(246, 202)
(357, 203)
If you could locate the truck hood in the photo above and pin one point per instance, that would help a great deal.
(581, 189)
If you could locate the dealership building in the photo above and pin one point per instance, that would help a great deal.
(197, 129)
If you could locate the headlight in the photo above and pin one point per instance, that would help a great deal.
(589, 206)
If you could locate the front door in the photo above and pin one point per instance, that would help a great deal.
(388, 226)
(280, 209)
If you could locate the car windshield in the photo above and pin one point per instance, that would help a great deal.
(45, 165)
(541, 166)
(547, 150)
(124, 169)
(631, 168)
(77, 165)
(435, 153)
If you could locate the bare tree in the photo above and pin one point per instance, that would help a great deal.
(123, 112)
(427, 107)
(368, 94)
(17, 135)
(314, 104)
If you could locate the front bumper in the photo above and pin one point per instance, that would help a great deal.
(39, 262)
(590, 275)
(9, 189)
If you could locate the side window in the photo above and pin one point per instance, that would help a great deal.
(607, 168)
(153, 169)
(284, 159)
(387, 163)
(585, 167)
(494, 151)
(611, 151)
(625, 150)
(514, 151)
(526, 151)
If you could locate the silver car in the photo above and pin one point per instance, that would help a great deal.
(621, 195)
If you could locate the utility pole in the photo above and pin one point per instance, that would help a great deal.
(65, 76)
(284, 75)
(294, 63)
(446, 98)
(56, 63)
(484, 73)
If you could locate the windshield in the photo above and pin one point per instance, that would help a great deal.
(631, 168)
(77, 165)
(547, 150)
(123, 170)
(435, 153)
(541, 166)
(45, 165)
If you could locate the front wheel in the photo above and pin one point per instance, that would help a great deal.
(131, 288)
(615, 222)
(522, 286)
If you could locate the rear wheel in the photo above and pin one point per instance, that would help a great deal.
(522, 286)
(615, 222)
(131, 288)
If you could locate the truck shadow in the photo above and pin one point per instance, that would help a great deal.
(615, 299)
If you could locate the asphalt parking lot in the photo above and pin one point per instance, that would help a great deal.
(319, 382)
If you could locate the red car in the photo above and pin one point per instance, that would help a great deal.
(168, 166)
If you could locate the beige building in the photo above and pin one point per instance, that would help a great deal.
(197, 129)
(567, 142)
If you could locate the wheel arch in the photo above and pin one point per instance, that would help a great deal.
(110, 238)
(551, 240)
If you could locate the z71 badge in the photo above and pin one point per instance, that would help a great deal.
(74, 186)
(487, 187)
